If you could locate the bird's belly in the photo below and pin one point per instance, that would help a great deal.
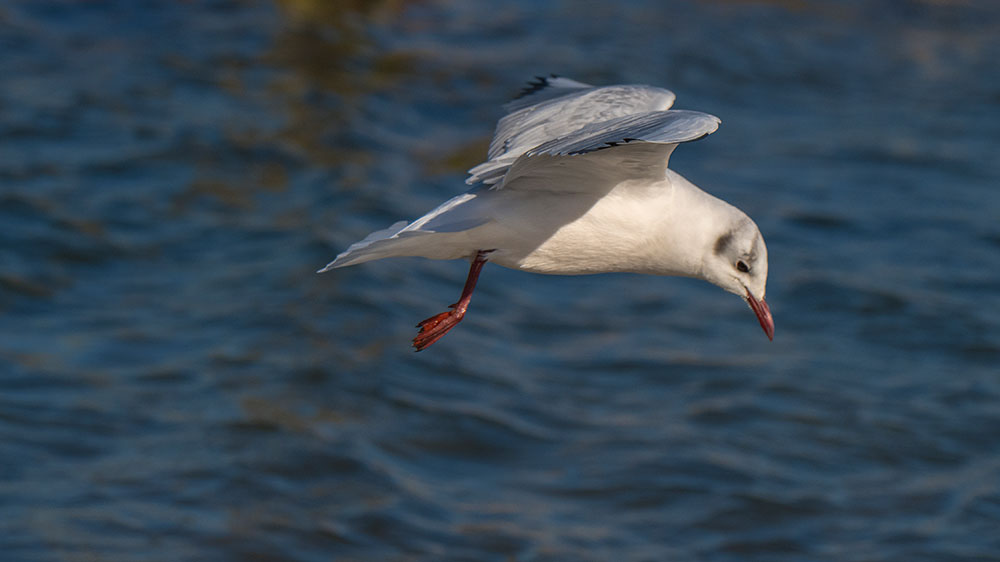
(578, 234)
(559, 256)
(577, 248)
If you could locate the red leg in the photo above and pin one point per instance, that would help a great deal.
(435, 327)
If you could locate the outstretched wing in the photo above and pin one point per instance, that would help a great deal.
(601, 155)
(555, 107)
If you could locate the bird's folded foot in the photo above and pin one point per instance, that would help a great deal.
(435, 327)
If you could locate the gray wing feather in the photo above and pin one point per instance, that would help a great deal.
(601, 155)
(667, 127)
(535, 124)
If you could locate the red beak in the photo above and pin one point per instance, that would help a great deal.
(763, 313)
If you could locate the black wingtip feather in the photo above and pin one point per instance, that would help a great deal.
(536, 85)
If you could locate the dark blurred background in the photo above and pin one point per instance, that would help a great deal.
(176, 383)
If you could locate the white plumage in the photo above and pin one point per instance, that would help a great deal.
(576, 182)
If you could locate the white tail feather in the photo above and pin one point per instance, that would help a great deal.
(363, 250)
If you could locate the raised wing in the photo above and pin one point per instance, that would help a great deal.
(663, 127)
(601, 155)
(557, 108)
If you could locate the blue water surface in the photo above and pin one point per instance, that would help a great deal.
(176, 383)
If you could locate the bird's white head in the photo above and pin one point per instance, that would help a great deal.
(737, 261)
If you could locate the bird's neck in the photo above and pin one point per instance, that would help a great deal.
(689, 223)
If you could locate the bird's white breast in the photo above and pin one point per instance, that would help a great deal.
(647, 227)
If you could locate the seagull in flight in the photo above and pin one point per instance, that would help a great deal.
(576, 182)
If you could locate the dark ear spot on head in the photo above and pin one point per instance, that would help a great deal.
(723, 242)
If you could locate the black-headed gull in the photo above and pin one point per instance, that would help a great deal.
(577, 182)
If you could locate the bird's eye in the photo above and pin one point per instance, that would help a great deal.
(742, 266)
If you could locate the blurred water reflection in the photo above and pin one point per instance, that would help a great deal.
(176, 383)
